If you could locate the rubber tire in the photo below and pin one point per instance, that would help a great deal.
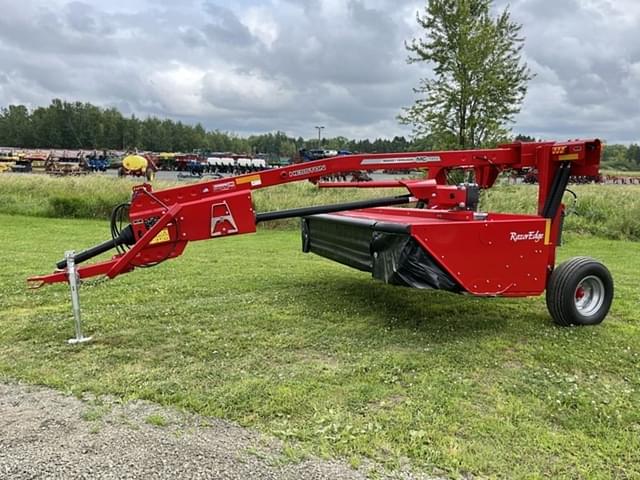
(562, 286)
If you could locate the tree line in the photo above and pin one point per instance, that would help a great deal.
(77, 125)
(621, 157)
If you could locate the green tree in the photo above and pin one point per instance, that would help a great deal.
(479, 79)
(524, 138)
(72, 125)
(112, 127)
(15, 126)
(633, 154)
(130, 133)
(614, 154)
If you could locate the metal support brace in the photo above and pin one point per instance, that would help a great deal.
(74, 286)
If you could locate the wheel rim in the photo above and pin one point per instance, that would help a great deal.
(589, 295)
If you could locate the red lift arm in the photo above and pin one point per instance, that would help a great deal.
(485, 254)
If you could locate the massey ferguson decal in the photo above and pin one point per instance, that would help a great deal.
(534, 236)
(307, 171)
(394, 160)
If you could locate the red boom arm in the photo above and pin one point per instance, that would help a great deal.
(162, 222)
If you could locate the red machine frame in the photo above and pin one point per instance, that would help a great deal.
(492, 254)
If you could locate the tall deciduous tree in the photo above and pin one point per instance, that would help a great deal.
(479, 79)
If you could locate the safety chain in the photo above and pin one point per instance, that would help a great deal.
(94, 282)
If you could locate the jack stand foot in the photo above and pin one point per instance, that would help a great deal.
(74, 341)
(74, 286)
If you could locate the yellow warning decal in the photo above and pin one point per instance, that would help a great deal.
(254, 180)
(547, 232)
(162, 236)
(569, 156)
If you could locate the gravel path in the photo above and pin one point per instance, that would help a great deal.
(44, 434)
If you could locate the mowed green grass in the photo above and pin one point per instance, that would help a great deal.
(334, 363)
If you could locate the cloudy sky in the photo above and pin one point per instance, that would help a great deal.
(262, 65)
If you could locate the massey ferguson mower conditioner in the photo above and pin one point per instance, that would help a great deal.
(441, 242)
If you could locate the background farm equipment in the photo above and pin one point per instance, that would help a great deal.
(198, 170)
(309, 155)
(66, 162)
(305, 155)
(531, 177)
(620, 179)
(182, 160)
(98, 162)
(8, 161)
(443, 242)
(23, 165)
(137, 166)
(35, 161)
(231, 163)
(166, 161)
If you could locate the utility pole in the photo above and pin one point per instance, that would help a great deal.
(319, 127)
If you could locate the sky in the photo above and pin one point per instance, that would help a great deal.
(250, 66)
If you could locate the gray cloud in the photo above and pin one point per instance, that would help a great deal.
(225, 27)
(586, 54)
(282, 64)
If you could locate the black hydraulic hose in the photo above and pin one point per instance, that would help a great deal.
(565, 175)
(560, 183)
(304, 211)
(552, 194)
(125, 238)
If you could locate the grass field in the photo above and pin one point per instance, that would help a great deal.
(334, 363)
